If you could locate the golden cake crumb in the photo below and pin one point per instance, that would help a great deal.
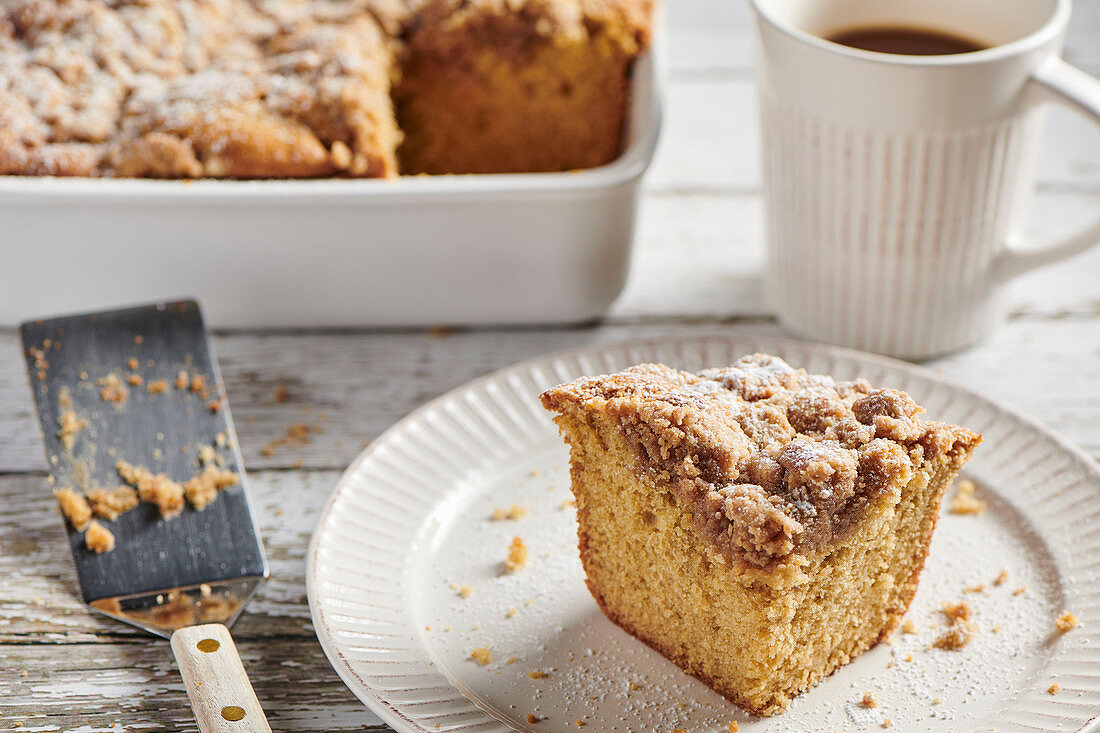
(132, 363)
(568, 504)
(139, 340)
(182, 380)
(1001, 578)
(909, 657)
(98, 538)
(532, 719)
(517, 555)
(887, 723)
(1054, 688)
(957, 611)
(732, 727)
(634, 687)
(679, 730)
(979, 588)
(868, 701)
(511, 613)
(74, 507)
(153, 488)
(908, 627)
(112, 389)
(957, 637)
(70, 425)
(202, 489)
(157, 386)
(937, 701)
(538, 674)
(209, 457)
(463, 590)
(1066, 622)
(134, 380)
(962, 629)
(110, 503)
(1020, 591)
(965, 500)
(996, 629)
(483, 655)
(513, 512)
(581, 724)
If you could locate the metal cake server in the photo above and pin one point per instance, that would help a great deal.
(141, 385)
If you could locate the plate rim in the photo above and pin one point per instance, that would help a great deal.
(386, 711)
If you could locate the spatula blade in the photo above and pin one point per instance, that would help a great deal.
(198, 566)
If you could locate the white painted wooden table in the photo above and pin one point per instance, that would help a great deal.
(695, 272)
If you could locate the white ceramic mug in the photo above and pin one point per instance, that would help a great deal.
(895, 184)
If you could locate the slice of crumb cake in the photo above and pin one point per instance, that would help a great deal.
(757, 525)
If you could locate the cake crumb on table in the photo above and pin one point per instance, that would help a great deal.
(979, 588)
(483, 655)
(132, 363)
(1067, 621)
(1020, 591)
(74, 507)
(517, 555)
(937, 701)
(464, 591)
(513, 512)
(887, 723)
(538, 674)
(965, 500)
(908, 627)
(98, 538)
(157, 386)
(1054, 688)
(868, 701)
(1001, 578)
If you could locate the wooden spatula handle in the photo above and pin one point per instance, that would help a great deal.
(217, 685)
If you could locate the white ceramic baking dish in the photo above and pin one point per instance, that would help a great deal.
(426, 250)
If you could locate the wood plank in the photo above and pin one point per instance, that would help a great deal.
(131, 685)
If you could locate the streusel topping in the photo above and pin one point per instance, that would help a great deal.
(776, 459)
(184, 88)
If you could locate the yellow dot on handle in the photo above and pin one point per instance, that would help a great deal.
(208, 645)
(232, 712)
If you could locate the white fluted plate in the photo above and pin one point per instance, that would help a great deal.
(409, 526)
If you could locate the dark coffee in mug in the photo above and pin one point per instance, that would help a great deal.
(906, 40)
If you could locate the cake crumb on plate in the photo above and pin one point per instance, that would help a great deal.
(965, 500)
(517, 555)
(483, 655)
(1067, 621)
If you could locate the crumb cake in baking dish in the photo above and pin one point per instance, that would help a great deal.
(757, 525)
(311, 88)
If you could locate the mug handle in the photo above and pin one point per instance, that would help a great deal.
(1058, 82)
